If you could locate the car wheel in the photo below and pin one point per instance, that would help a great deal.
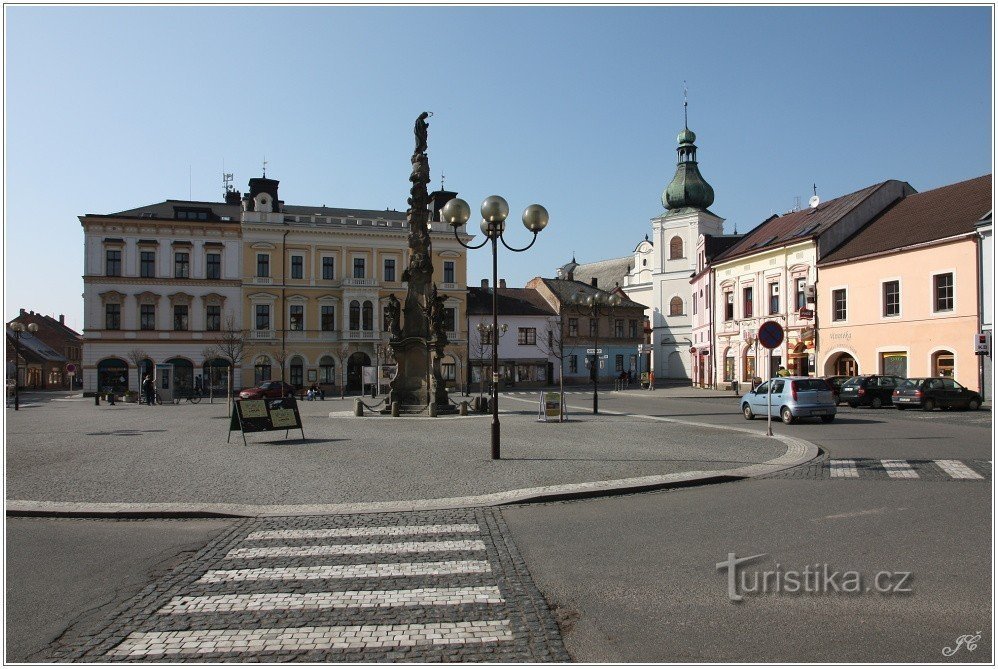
(876, 403)
(747, 412)
(974, 405)
(854, 404)
(928, 405)
(827, 419)
(787, 415)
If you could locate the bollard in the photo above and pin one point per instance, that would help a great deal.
(464, 409)
(433, 409)
(96, 399)
(358, 408)
(395, 409)
(110, 398)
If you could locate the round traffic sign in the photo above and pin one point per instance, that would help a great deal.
(70, 367)
(770, 334)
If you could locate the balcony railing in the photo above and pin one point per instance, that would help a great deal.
(262, 334)
(361, 334)
(360, 282)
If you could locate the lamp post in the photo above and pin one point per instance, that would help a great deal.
(494, 209)
(19, 329)
(595, 306)
(489, 330)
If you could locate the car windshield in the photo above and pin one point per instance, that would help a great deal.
(811, 384)
(852, 381)
(911, 383)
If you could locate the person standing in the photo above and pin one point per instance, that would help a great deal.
(651, 380)
(149, 390)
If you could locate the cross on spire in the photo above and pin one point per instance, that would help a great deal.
(442, 177)
(265, 167)
(686, 123)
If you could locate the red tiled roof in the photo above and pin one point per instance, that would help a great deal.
(797, 226)
(923, 217)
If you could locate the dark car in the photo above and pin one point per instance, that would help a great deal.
(872, 391)
(267, 390)
(835, 382)
(942, 392)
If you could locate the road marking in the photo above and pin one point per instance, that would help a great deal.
(843, 468)
(356, 549)
(314, 601)
(899, 469)
(351, 637)
(321, 572)
(957, 469)
(400, 530)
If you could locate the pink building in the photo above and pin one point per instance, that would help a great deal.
(901, 295)
(708, 246)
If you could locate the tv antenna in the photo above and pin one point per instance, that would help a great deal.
(227, 181)
(815, 200)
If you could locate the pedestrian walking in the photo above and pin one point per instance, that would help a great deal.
(149, 390)
(651, 380)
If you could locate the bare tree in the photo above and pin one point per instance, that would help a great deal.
(342, 354)
(208, 353)
(137, 356)
(231, 348)
(554, 345)
(281, 357)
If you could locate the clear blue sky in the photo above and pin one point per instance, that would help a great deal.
(576, 108)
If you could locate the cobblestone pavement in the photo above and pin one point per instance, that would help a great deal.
(889, 469)
(415, 587)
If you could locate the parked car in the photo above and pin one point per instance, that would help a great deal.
(835, 383)
(267, 390)
(872, 390)
(793, 397)
(942, 392)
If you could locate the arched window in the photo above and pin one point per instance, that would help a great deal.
(943, 363)
(261, 370)
(368, 319)
(676, 306)
(297, 372)
(112, 375)
(729, 365)
(327, 369)
(676, 248)
(354, 315)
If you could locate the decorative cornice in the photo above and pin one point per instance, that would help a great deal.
(155, 281)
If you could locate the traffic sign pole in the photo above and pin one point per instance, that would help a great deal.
(770, 335)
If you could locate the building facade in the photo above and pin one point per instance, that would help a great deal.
(58, 336)
(702, 284)
(770, 274)
(986, 290)
(901, 296)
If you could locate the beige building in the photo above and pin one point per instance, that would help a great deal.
(901, 296)
(315, 281)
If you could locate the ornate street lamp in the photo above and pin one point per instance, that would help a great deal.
(19, 329)
(595, 306)
(495, 209)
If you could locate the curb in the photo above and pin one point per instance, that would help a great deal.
(798, 452)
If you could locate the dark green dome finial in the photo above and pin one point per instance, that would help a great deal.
(688, 190)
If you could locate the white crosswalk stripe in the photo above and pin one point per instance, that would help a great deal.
(899, 469)
(957, 469)
(387, 531)
(356, 549)
(843, 468)
(392, 570)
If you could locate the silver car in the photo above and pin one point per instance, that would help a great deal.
(793, 397)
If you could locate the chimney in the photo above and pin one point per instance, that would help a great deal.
(233, 197)
(593, 282)
(62, 319)
(502, 283)
(23, 312)
(485, 285)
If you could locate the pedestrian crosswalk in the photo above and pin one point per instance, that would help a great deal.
(358, 592)
(846, 468)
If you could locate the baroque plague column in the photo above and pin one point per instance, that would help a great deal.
(417, 343)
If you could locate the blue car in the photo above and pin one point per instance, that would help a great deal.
(793, 397)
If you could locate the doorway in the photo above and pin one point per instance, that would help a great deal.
(355, 366)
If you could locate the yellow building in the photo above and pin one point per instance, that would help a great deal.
(315, 281)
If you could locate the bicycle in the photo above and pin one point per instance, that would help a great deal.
(193, 396)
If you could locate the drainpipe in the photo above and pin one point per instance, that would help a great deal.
(284, 315)
(713, 338)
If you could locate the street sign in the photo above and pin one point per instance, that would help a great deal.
(591, 351)
(70, 368)
(805, 313)
(770, 334)
(981, 344)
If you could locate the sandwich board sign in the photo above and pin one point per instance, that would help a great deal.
(549, 407)
(265, 415)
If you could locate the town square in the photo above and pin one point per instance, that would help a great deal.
(695, 370)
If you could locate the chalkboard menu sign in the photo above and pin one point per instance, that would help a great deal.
(265, 415)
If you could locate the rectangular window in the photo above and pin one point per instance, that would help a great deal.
(358, 268)
(297, 267)
(801, 293)
(943, 292)
(747, 302)
(213, 318)
(618, 327)
(182, 265)
(389, 269)
(892, 298)
(774, 298)
(327, 269)
(213, 266)
(297, 317)
(894, 364)
(839, 304)
(526, 336)
(729, 306)
(448, 371)
(633, 329)
(450, 319)
(112, 317)
(147, 317)
(112, 266)
(573, 327)
(328, 319)
(618, 363)
(593, 327)
(448, 271)
(573, 364)
(180, 317)
(263, 317)
(147, 264)
(263, 264)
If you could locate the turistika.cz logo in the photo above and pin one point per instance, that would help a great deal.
(812, 579)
